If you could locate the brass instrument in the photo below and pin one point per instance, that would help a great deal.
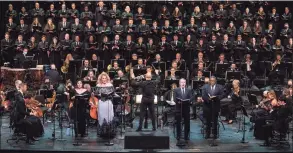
(109, 67)
(277, 62)
(64, 68)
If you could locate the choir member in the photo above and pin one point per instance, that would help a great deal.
(140, 48)
(209, 16)
(73, 13)
(113, 14)
(91, 47)
(270, 34)
(143, 29)
(55, 56)
(139, 16)
(286, 33)
(117, 29)
(154, 32)
(23, 14)
(164, 15)
(38, 12)
(52, 13)
(100, 13)
(126, 15)
(86, 15)
(63, 13)
(65, 46)
(11, 28)
(197, 15)
(239, 47)
(23, 29)
(204, 32)
(63, 28)
(10, 13)
(77, 48)
(6, 45)
(44, 53)
(36, 29)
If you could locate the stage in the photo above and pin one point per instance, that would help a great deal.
(229, 141)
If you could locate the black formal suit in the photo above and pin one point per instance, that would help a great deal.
(183, 111)
(53, 76)
(211, 107)
(129, 47)
(100, 14)
(63, 28)
(77, 50)
(21, 114)
(77, 30)
(23, 30)
(43, 48)
(65, 48)
(148, 93)
(6, 45)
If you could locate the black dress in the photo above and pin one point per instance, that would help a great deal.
(78, 112)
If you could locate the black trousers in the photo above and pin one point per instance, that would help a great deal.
(211, 116)
(143, 109)
(182, 112)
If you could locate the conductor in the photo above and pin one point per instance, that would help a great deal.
(212, 93)
(148, 94)
(183, 97)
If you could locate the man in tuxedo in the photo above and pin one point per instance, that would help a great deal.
(6, 44)
(183, 97)
(21, 114)
(212, 93)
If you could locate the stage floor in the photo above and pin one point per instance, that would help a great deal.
(229, 141)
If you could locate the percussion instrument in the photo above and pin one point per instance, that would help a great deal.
(36, 74)
(15, 74)
(139, 97)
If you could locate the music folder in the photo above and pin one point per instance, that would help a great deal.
(183, 100)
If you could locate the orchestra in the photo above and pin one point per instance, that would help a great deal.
(106, 45)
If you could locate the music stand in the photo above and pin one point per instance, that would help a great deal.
(79, 99)
(84, 73)
(196, 85)
(46, 93)
(118, 82)
(161, 66)
(100, 65)
(252, 99)
(91, 83)
(244, 114)
(232, 75)
(168, 83)
(30, 64)
(134, 62)
(112, 74)
(121, 62)
(221, 68)
(74, 66)
(182, 102)
(207, 74)
(138, 72)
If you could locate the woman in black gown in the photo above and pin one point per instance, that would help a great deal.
(78, 110)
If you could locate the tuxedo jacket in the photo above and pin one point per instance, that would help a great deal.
(187, 95)
(218, 92)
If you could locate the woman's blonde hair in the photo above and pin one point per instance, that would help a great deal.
(100, 77)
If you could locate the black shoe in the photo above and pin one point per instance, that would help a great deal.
(154, 129)
(194, 118)
(207, 136)
(138, 129)
(34, 139)
(29, 142)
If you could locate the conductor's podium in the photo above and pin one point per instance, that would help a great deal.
(147, 140)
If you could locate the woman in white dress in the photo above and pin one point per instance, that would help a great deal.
(105, 90)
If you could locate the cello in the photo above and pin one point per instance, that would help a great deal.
(93, 101)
